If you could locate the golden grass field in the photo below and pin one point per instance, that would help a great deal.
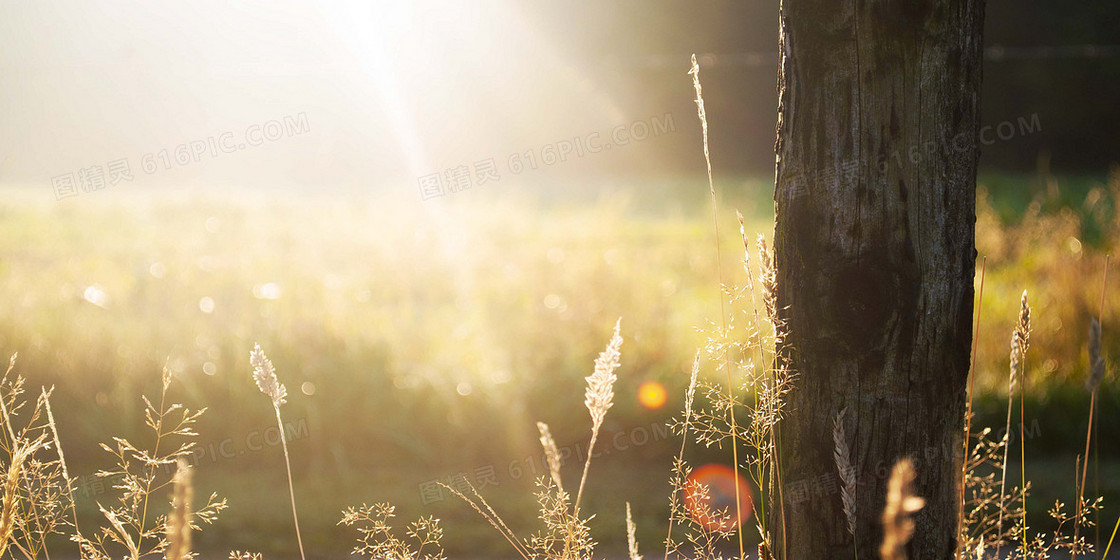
(418, 340)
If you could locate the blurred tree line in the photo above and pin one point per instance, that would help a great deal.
(1051, 60)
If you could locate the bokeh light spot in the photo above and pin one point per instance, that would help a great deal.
(95, 295)
(268, 290)
(552, 301)
(652, 395)
(709, 496)
(1074, 245)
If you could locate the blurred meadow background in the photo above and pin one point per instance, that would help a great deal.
(430, 215)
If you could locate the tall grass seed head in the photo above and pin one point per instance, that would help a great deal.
(600, 384)
(265, 376)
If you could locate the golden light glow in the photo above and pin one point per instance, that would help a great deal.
(706, 507)
(652, 395)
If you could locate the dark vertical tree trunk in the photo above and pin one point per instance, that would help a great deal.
(874, 246)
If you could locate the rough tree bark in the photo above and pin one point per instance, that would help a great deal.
(874, 247)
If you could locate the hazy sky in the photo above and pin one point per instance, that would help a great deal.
(388, 90)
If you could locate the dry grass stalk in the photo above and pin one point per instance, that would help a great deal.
(898, 527)
(33, 525)
(9, 515)
(764, 552)
(631, 539)
(1112, 538)
(139, 473)
(377, 540)
(842, 455)
(704, 527)
(566, 536)
(43, 492)
(691, 393)
(768, 281)
(1006, 435)
(599, 397)
(694, 71)
(551, 454)
(1020, 341)
(1043, 545)
(768, 381)
(1097, 449)
(483, 508)
(688, 398)
(961, 526)
(265, 376)
(179, 520)
(46, 399)
(707, 529)
(1023, 328)
(985, 507)
(119, 532)
(1096, 374)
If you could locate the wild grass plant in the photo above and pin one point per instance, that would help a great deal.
(984, 521)
(729, 411)
(996, 522)
(38, 496)
(1092, 384)
(701, 531)
(738, 375)
(566, 534)
(265, 376)
(372, 340)
(35, 499)
(377, 540)
(143, 474)
(631, 536)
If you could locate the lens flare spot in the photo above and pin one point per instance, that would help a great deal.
(464, 388)
(652, 395)
(95, 295)
(268, 290)
(709, 496)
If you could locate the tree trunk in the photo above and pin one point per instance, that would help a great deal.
(875, 198)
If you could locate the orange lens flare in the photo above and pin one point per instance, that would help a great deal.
(652, 395)
(709, 496)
